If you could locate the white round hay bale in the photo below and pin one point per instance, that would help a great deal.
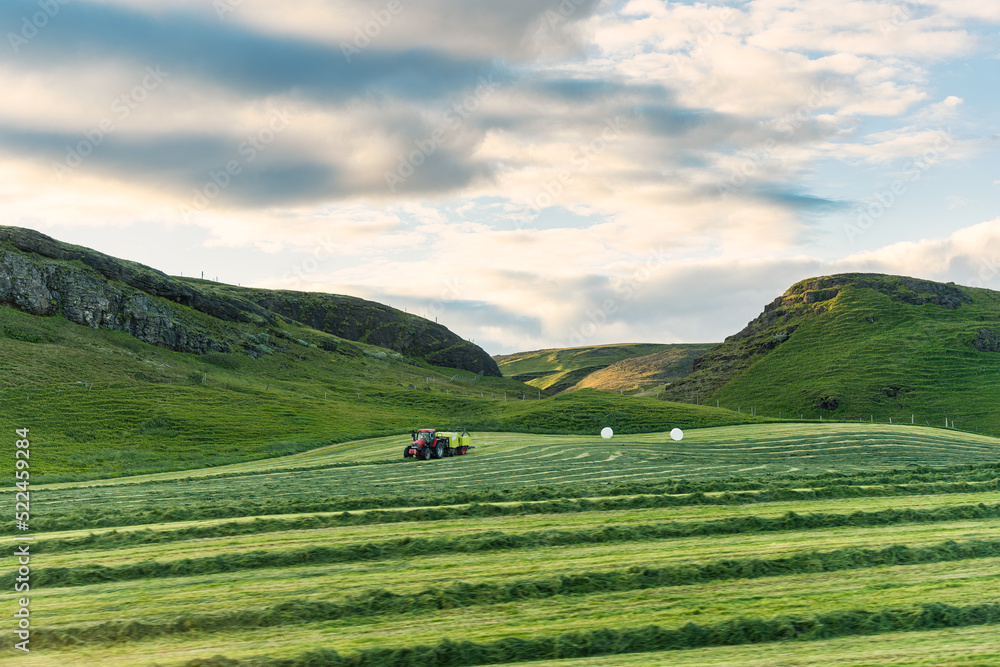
(607, 432)
(677, 434)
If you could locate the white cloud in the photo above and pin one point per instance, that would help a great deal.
(946, 109)
(644, 296)
(908, 142)
(728, 112)
(967, 9)
(969, 256)
(881, 29)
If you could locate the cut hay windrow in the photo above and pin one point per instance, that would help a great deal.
(539, 499)
(130, 492)
(492, 541)
(463, 594)
(608, 641)
(116, 539)
(964, 472)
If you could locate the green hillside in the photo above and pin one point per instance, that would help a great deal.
(862, 347)
(106, 404)
(647, 374)
(122, 369)
(45, 277)
(600, 366)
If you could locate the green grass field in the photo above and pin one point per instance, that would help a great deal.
(758, 544)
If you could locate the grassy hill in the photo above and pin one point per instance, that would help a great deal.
(42, 276)
(648, 374)
(125, 370)
(110, 405)
(862, 347)
(630, 367)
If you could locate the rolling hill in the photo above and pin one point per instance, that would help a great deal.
(646, 374)
(125, 370)
(628, 368)
(41, 276)
(861, 347)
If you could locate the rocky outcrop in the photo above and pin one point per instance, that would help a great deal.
(987, 340)
(42, 276)
(803, 301)
(142, 278)
(908, 290)
(49, 288)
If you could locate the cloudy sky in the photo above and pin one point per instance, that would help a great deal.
(533, 173)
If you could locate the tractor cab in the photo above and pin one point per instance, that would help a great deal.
(422, 436)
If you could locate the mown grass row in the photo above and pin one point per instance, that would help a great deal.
(464, 594)
(315, 521)
(957, 583)
(971, 646)
(667, 494)
(333, 461)
(606, 641)
(408, 547)
(372, 452)
(962, 473)
(311, 490)
(591, 465)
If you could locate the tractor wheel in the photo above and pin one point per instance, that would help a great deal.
(463, 450)
(439, 451)
(425, 453)
(406, 453)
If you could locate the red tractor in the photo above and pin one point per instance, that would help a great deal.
(428, 443)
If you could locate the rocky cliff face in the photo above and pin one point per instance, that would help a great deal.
(41, 276)
(82, 296)
(142, 278)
